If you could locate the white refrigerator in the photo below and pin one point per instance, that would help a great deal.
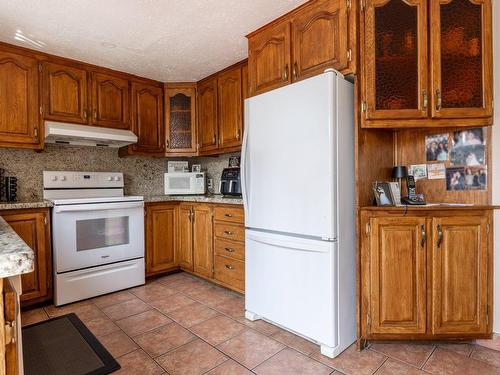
(298, 192)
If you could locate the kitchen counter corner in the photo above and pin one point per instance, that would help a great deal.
(15, 256)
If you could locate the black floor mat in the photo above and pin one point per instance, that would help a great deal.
(64, 346)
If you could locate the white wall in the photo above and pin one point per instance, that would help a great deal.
(496, 163)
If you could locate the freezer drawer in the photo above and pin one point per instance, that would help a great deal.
(291, 281)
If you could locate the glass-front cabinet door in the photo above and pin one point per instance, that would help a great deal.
(461, 50)
(396, 59)
(181, 120)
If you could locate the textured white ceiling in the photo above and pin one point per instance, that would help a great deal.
(167, 40)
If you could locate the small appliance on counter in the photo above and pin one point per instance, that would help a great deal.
(10, 186)
(185, 183)
(230, 183)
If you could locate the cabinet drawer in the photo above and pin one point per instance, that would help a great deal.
(231, 249)
(233, 214)
(230, 271)
(230, 231)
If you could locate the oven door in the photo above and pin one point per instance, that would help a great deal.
(86, 235)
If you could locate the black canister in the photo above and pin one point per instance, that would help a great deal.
(10, 189)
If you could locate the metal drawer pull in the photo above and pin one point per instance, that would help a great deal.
(229, 267)
(440, 235)
(228, 215)
(229, 250)
(228, 232)
(424, 236)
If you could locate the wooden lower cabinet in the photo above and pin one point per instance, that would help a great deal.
(194, 237)
(161, 239)
(184, 251)
(33, 226)
(203, 253)
(426, 274)
(460, 275)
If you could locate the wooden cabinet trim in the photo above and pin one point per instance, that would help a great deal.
(121, 98)
(188, 90)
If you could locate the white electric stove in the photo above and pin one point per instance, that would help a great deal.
(97, 234)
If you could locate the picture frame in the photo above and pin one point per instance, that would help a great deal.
(196, 168)
(382, 192)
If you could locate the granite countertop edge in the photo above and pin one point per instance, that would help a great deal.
(219, 199)
(16, 257)
(25, 205)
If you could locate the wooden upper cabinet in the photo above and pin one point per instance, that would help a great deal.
(461, 64)
(320, 38)
(147, 119)
(161, 237)
(395, 57)
(180, 123)
(398, 250)
(460, 275)
(230, 103)
(110, 101)
(65, 93)
(19, 101)
(184, 253)
(33, 227)
(269, 58)
(203, 254)
(207, 115)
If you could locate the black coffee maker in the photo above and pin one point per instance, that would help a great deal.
(230, 183)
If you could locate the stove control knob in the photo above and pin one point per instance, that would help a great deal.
(53, 178)
(110, 178)
(62, 178)
(117, 178)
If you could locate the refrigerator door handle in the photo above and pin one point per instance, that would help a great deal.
(244, 161)
(298, 245)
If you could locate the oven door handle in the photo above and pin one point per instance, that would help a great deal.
(98, 207)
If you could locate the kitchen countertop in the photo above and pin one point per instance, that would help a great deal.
(15, 256)
(193, 198)
(24, 205)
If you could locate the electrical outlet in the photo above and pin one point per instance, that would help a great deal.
(210, 183)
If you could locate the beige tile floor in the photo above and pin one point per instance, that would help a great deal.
(179, 324)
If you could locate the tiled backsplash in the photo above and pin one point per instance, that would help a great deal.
(143, 175)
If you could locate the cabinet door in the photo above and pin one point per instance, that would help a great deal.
(319, 38)
(230, 103)
(460, 275)
(33, 228)
(203, 240)
(185, 246)
(461, 60)
(19, 101)
(65, 93)
(147, 119)
(180, 108)
(161, 234)
(207, 115)
(269, 58)
(398, 250)
(395, 59)
(110, 101)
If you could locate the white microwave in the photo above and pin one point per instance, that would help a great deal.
(189, 183)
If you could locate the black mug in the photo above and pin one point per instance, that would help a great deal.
(10, 189)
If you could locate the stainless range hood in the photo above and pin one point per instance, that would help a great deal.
(83, 135)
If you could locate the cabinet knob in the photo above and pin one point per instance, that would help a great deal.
(85, 114)
(425, 99)
(229, 250)
(229, 267)
(228, 232)
(228, 215)
(294, 71)
(285, 73)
